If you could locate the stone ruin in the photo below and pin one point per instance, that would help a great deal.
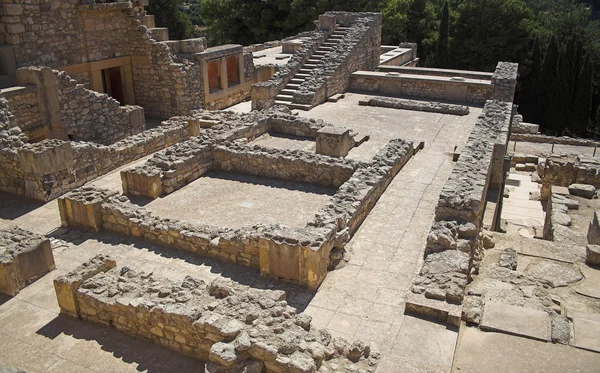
(24, 257)
(233, 327)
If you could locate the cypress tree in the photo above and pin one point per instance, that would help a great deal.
(530, 86)
(441, 59)
(546, 85)
(598, 117)
(582, 104)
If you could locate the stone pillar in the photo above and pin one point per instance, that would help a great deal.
(333, 141)
(142, 182)
(47, 92)
(81, 207)
(504, 82)
(327, 23)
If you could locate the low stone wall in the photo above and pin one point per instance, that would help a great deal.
(298, 255)
(24, 257)
(427, 106)
(558, 221)
(525, 137)
(282, 164)
(453, 244)
(422, 86)
(45, 170)
(358, 50)
(478, 75)
(207, 322)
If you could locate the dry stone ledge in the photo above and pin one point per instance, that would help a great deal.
(233, 327)
(24, 257)
(415, 105)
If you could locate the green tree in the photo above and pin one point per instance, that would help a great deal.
(395, 15)
(168, 13)
(546, 85)
(582, 104)
(530, 86)
(421, 26)
(488, 31)
(441, 52)
(598, 117)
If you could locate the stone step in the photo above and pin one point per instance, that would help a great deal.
(297, 81)
(301, 76)
(292, 86)
(149, 21)
(294, 106)
(313, 61)
(305, 71)
(335, 37)
(309, 66)
(287, 92)
(160, 33)
(281, 97)
(342, 28)
(319, 53)
(339, 33)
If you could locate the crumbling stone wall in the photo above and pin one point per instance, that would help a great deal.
(45, 170)
(358, 50)
(453, 244)
(24, 257)
(427, 106)
(564, 170)
(208, 321)
(11, 138)
(24, 105)
(298, 255)
(91, 116)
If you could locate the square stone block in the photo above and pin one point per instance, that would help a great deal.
(147, 184)
(333, 141)
(81, 207)
(24, 257)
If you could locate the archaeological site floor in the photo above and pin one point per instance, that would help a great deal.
(363, 299)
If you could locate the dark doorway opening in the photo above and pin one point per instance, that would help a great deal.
(112, 82)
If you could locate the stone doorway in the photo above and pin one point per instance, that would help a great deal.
(112, 82)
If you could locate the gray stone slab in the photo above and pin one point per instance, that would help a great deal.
(515, 320)
(587, 334)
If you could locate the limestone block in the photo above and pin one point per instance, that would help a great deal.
(333, 141)
(592, 255)
(582, 190)
(327, 22)
(66, 286)
(24, 257)
(81, 207)
(593, 235)
(189, 46)
(160, 33)
(12, 9)
(139, 183)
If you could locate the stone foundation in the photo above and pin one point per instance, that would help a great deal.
(297, 255)
(207, 321)
(24, 257)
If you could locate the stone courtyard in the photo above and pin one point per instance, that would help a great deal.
(314, 213)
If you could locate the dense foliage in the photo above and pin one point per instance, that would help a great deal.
(556, 42)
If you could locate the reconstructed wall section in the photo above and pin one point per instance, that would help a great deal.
(232, 327)
(24, 105)
(24, 257)
(567, 170)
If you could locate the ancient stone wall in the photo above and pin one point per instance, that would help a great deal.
(504, 81)
(45, 170)
(298, 255)
(433, 87)
(59, 33)
(91, 116)
(564, 170)
(358, 50)
(205, 321)
(11, 139)
(453, 241)
(24, 105)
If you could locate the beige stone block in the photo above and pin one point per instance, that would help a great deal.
(12, 9)
(14, 28)
(333, 141)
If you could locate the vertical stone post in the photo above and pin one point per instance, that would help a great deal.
(333, 141)
(504, 82)
(81, 207)
(327, 23)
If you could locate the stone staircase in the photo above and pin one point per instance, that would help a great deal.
(286, 96)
